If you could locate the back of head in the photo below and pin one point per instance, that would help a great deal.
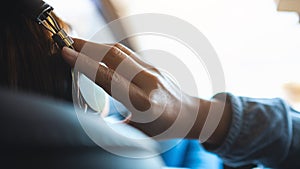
(29, 59)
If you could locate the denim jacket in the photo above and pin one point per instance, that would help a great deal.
(263, 131)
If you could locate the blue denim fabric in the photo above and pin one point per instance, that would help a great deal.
(263, 131)
(189, 154)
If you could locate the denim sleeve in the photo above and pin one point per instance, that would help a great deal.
(261, 132)
(292, 160)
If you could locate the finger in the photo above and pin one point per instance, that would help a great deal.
(114, 58)
(108, 54)
(83, 63)
(69, 55)
(121, 89)
(133, 55)
(112, 82)
(146, 78)
(80, 43)
(132, 71)
(96, 51)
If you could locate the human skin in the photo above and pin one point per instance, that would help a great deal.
(150, 92)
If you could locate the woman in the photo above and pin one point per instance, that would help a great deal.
(30, 61)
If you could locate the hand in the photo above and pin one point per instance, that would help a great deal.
(156, 103)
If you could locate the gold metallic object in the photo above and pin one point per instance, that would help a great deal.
(46, 19)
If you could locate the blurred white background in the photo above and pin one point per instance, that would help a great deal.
(257, 45)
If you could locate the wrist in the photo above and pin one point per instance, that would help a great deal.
(217, 123)
(212, 123)
(201, 108)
